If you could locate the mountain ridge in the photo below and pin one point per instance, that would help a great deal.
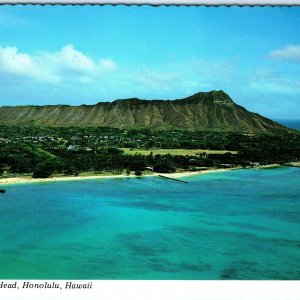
(213, 110)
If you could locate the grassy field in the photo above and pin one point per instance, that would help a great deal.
(191, 152)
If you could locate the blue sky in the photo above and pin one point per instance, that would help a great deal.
(87, 54)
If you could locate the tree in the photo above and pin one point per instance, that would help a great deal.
(164, 167)
(41, 171)
(44, 169)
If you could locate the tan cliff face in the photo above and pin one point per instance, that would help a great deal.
(203, 111)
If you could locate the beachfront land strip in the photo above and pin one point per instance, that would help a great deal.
(42, 151)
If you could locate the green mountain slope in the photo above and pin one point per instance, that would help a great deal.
(203, 111)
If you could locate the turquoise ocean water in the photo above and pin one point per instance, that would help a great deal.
(242, 224)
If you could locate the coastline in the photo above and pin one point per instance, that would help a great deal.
(15, 180)
(28, 179)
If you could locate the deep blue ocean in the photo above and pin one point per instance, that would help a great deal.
(240, 224)
(295, 124)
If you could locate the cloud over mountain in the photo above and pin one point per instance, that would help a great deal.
(290, 52)
(53, 67)
(16, 63)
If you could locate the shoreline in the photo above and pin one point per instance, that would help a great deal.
(15, 180)
(25, 179)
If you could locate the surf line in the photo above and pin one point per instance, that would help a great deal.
(291, 165)
(175, 179)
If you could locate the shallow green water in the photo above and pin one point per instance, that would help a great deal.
(242, 224)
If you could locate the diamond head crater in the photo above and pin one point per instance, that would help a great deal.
(203, 111)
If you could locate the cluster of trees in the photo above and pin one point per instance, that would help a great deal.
(41, 159)
(99, 137)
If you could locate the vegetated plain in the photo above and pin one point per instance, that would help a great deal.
(41, 152)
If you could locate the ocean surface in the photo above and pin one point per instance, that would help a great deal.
(240, 224)
(295, 124)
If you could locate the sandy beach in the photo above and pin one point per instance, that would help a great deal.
(192, 173)
(28, 179)
(15, 180)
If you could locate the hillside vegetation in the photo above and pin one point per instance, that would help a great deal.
(203, 111)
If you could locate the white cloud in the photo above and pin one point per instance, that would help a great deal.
(69, 68)
(108, 65)
(66, 65)
(269, 81)
(70, 58)
(16, 63)
(290, 52)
